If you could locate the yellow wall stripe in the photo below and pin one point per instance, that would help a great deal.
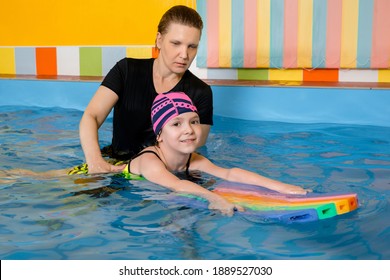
(78, 23)
(139, 52)
(7, 61)
(305, 33)
(263, 37)
(384, 76)
(285, 74)
(225, 35)
(349, 33)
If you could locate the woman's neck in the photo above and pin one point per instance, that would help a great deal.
(163, 79)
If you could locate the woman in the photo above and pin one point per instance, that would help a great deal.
(132, 84)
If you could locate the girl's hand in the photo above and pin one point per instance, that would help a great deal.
(225, 207)
(292, 189)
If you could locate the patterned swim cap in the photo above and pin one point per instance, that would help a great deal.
(169, 105)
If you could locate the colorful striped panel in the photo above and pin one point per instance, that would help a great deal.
(292, 34)
(23, 61)
(67, 60)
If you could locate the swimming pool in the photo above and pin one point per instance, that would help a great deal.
(105, 217)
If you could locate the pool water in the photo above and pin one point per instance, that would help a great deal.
(106, 217)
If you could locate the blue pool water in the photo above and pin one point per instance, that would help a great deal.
(105, 217)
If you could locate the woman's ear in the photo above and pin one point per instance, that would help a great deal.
(158, 40)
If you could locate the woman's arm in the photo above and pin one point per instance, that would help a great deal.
(94, 115)
(205, 134)
(239, 175)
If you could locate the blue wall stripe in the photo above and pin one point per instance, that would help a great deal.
(201, 59)
(286, 104)
(302, 105)
(25, 61)
(319, 33)
(110, 56)
(238, 17)
(366, 10)
(277, 31)
(46, 93)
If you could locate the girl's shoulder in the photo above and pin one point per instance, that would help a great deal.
(149, 150)
(197, 160)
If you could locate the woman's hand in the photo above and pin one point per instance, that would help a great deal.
(104, 167)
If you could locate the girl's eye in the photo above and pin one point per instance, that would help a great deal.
(195, 122)
(176, 124)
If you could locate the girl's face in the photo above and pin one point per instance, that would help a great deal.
(178, 47)
(181, 133)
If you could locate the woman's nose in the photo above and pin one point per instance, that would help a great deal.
(184, 52)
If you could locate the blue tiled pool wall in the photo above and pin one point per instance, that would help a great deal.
(285, 104)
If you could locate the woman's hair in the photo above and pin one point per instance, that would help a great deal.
(182, 15)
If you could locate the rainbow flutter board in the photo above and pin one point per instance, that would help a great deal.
(269, 205)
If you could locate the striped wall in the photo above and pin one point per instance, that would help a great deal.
(67, 60)
(290, 76)
(280, 40)
(291, 34)
(97, 61)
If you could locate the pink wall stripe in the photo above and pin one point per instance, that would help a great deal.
(290, 50)
(333, 34)
(250, 33)
(212, 28)
(380, 55)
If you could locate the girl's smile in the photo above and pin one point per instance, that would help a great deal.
(182, 132)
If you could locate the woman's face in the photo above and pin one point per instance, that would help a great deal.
(178, 47)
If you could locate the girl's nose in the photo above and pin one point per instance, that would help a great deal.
(188, 129)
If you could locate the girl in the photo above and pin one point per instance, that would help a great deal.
(176, 124)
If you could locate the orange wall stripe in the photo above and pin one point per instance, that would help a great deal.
(46, 61)
(321, 75)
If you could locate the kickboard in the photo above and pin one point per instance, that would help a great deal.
(269, 205)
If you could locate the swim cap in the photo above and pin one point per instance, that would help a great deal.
(169, 105)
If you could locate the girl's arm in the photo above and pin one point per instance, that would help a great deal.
(155, 171)
(239, 175)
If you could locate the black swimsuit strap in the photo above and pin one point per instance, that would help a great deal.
(153, 152)
(141, 153)
(188, 164)
(147, 151)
